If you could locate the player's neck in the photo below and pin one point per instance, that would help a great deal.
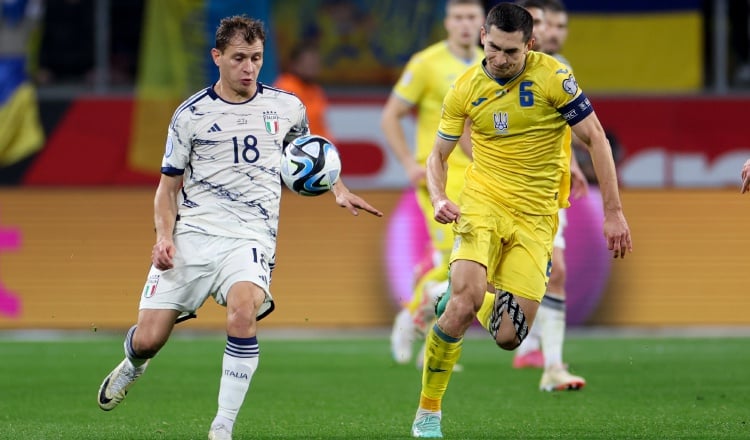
(465, 53)
(228, 94)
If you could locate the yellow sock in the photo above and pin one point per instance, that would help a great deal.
(483, 315)
(441, 355)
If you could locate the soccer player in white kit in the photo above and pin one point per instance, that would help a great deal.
(216, 211)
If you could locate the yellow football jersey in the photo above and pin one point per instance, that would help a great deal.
(520, 139)
(426, 79)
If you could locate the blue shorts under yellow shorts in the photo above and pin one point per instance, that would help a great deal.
(516, 248)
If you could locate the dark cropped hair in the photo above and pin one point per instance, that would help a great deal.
(248, 28)
(510, 18)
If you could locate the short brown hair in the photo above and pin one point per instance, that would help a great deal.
(248, 28)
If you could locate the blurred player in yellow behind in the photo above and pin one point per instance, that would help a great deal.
(423, 85)
(519, 103)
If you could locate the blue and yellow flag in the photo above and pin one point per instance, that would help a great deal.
(21, 133)
(636, 45)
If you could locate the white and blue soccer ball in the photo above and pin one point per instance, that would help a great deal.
(310, 165)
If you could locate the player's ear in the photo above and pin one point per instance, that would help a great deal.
(482, 34)
(215, 54)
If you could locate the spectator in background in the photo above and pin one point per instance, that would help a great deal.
(67, 45)
(300, 76)
(21, 134)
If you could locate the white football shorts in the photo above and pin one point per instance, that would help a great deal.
(208, 265)
(559, 241)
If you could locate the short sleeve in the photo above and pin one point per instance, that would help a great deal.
(567, 96)
(178, 145)
(413, 81)
(300, 125)
(453, 115)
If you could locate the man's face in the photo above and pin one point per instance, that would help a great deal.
(239, 65)
(540, 28)
(557, 31)
(462, 22)
(505, 51)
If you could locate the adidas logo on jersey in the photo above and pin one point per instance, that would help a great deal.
(214, 128)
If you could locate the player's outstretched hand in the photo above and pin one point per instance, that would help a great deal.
(746, 177)
(617, 233)
(162, 253)
(446, 211)
(352, 202)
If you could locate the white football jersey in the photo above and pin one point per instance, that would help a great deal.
(229, 156)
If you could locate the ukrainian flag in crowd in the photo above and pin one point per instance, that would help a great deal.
(21, 133)
(653, 46)
(175, 62)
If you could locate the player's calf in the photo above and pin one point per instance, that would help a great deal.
(509, 335)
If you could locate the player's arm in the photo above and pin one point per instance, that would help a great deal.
(465, 140)
(446, 210)
(396, 109)
(589, 130)
(352, 202)
(165, 216)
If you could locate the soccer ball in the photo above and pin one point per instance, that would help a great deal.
(310, 165)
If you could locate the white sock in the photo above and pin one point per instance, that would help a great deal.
(403, 336)
(240, 362)
(552, 312)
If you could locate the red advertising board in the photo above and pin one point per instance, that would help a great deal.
(680, 142)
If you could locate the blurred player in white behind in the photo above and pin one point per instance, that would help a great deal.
(216, 212)
(544, 345)
(423, 85)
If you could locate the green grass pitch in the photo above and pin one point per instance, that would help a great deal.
(641, 388)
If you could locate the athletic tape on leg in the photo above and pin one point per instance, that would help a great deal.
(505, 301)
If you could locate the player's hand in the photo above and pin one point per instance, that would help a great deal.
(746, 177)
(579, 186)
(162, 254)
(446, 211)
(417, 174)
(617, 233)
(354, 203)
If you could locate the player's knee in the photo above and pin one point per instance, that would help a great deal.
(241, 317)
(463, 309)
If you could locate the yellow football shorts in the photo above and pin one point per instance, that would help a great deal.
(516, 248)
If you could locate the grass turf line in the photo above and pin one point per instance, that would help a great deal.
(335, 389)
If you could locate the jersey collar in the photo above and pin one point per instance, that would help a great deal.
(502, 81)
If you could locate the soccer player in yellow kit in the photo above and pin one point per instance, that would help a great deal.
(519, 103)
(423, 84)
